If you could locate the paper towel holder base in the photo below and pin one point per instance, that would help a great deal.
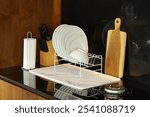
(25, 69)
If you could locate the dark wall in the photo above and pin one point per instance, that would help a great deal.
(95, 18)
(137, 23)
(91, 16)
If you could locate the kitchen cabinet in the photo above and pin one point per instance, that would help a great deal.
(9, 91)
(17, 17)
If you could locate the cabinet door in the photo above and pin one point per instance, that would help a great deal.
(9, 91)
(27, 95)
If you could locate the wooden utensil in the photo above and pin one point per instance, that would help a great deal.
(115, 51)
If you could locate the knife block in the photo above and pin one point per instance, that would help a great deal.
(47, 59)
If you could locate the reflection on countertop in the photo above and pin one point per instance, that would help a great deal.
(135, 88)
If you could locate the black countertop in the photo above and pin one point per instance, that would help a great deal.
(22, 78)
(136, 88)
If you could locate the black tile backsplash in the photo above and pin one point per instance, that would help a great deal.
(95, 17)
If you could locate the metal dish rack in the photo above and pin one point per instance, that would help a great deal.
(95, 62)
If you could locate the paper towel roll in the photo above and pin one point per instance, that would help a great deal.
(29, 53)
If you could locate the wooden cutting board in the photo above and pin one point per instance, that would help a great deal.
(115, 51)
(47, 59)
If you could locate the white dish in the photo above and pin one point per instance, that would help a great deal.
(76, 42)
(80, 56)
(67, 38)
(63, 34)
(57, 39)
(54, 38)
(71, 31)
(75, 39)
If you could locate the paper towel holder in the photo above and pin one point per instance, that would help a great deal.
(29, 33)
(29, 52)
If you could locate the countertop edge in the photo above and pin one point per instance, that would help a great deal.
(40, 93)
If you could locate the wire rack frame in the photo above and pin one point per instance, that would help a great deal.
(95, 62)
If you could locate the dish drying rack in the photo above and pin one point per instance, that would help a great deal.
(77, 76)
(95, 62)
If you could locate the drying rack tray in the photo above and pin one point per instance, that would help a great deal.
(69, 75)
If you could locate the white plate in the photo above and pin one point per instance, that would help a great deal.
(62, 49)
(56, 39)
(68, 34)
(75, 39)
(75, 42)
(63, 33)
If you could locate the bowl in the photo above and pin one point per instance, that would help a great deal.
(79, 55)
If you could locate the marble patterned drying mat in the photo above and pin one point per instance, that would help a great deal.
(70, 75)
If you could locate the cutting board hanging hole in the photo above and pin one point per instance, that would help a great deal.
(117, 23)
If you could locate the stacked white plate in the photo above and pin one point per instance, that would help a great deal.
(69, 38)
